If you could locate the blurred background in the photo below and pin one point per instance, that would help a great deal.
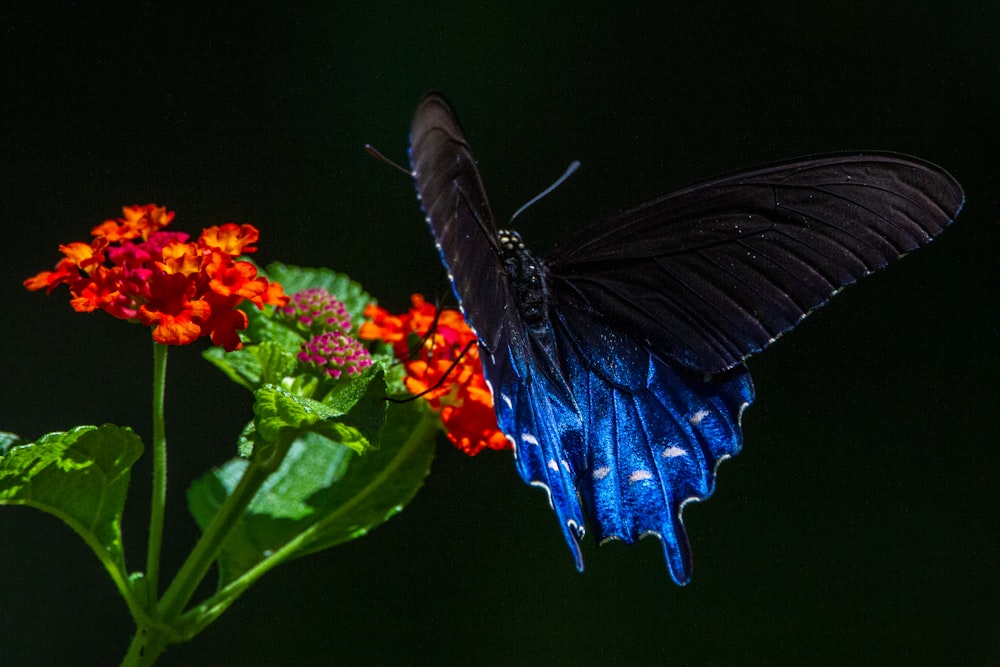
(858, 526)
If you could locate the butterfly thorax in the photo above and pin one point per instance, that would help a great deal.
(526, 274)
(527, 277)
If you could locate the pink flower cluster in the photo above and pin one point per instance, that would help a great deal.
(334, 354)
(317, 311)
(331, 349)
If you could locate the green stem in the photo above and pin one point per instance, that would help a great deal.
(152, 638)
(201, 558)
(147, 645)
(159, 500)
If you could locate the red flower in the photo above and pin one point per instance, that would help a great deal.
(173, 309)
(135, 271)
(457, 390)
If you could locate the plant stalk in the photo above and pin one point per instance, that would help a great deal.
(159, 500)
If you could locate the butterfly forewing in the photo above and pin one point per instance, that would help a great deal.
(714, 272)
(458, 212)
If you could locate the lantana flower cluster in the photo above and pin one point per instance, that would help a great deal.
(136, 271)
(457, 390)
(332, 349)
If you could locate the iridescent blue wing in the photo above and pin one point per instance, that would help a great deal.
(712, 273)
(600, 419)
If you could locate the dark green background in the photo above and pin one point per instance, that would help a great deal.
(859, 525)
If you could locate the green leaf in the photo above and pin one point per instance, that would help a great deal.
(82, 477)
(247, 440)
(322, 494)
(380, 483)
(282, 415)
(262, 325)
(362, 402)
(352, 413)
(255, 365)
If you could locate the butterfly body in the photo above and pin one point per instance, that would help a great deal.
(616, 362)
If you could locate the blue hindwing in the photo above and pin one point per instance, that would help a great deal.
(619, 432)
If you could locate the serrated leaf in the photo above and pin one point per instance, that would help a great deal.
(262, 325)
(352, 414)
(80, 476)
(280, 412)
(362, 402)
(322, 494)
(254, 365)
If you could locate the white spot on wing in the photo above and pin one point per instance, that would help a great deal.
(528, 438)
(696, 418)
(601, 473)
(553, 465)
(506, 401)
(640, 476)
(673, 451)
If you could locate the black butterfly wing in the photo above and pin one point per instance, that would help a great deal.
(454, 201)
(714, 272)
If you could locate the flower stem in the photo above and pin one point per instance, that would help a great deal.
(147, 645)
(205, 552)
(159, 500)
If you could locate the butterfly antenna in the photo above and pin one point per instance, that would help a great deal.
(573, 166)
(413, 350)
(437, 385)
(377, 154)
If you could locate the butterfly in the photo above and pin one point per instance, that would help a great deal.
(616, 362)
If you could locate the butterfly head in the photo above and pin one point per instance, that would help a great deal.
(510, 242)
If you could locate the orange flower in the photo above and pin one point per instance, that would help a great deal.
(138, 221)
(232, 278)
(455, 389)
(135, 271)
(65, 271)
(231, 238)
(181, 258)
